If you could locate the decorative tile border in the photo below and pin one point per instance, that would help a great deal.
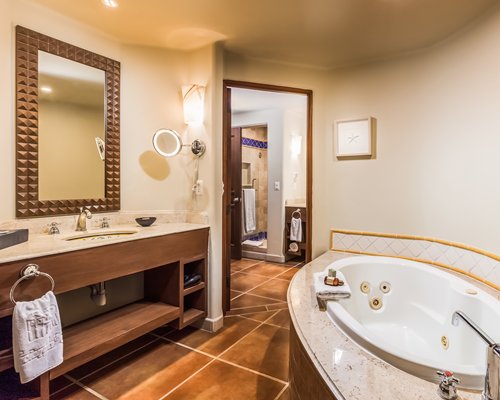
(475, 263)
(258, 144)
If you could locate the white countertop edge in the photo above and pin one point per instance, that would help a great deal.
(40, 245)
(358, 375)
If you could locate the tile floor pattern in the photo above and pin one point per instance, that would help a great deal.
(246, 360)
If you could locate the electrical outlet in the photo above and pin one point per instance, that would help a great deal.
(199, 187)
(277, 186)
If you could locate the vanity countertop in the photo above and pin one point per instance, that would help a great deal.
(42, 244)
(350, 372)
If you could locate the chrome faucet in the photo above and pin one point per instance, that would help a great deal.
(81, 224)
(492, 379)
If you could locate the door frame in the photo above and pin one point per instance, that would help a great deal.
(226, 176)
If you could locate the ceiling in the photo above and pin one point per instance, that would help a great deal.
(318, 33)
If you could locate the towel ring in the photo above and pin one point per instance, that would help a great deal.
(29, 271)
(297, 211)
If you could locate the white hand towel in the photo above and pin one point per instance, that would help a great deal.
(249, 210)
(36, 336)
(330, 291)
(296, 229)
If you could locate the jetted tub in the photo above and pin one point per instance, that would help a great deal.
(401, 311)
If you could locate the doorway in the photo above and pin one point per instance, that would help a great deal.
(267, 174)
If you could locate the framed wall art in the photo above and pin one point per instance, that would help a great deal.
(353, 138)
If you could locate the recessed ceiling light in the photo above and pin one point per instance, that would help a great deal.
(110, 3)
(46, 89)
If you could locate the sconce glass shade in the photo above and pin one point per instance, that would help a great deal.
(167, 142)
(296, 146)
(193, 99)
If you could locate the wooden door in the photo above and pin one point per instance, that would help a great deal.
(226, 201)
(236, 201)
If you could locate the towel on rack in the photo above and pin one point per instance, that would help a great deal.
(296, 229)
(36, 336)
(250, 223)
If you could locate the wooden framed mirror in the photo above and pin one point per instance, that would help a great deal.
(67, 128)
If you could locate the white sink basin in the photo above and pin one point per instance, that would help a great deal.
(100, 235)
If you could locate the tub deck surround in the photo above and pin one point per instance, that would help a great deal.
(350, 371)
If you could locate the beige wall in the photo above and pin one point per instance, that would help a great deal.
(151, 84)
(437, 170)
(437, 167)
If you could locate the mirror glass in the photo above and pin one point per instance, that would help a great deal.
(167, 142)
(71, 118)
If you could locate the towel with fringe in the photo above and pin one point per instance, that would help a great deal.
(36, 336)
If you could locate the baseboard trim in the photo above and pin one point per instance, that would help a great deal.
(211, 324)
(263, 256)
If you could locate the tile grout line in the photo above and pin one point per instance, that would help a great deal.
(187, 379)
(267, 323)
(258, 262)
(282, 391)
(86, 388)
(74, 380)
(217, 358)
(260, 284)
(263, 283)
(186, 346)
(251, 370)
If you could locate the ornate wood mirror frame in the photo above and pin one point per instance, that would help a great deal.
(28, 203)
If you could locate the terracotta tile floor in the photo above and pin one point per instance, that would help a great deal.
(246, 360)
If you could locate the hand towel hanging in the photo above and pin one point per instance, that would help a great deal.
(36, 336)
(296, 227)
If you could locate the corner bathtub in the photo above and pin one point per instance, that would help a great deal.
(412, 329)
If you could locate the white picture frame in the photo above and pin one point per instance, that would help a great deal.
(353, 137)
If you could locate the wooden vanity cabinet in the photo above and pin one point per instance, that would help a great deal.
(163, 259)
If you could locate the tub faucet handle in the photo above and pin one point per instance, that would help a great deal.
(447, 388)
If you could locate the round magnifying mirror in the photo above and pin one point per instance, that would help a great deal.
(167, 142)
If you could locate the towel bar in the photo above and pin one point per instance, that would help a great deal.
(297, 211)
(29, 271)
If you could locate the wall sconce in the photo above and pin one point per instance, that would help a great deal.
(193, 98)
(296, 146)
(168, 143)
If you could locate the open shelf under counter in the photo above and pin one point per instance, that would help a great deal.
(91, 338)
(159, 262)
(195, 288)
(191, 315)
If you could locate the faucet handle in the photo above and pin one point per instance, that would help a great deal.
(447, 387)
(105, 222)
(54, 230)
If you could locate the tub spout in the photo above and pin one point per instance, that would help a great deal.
(492, 379)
